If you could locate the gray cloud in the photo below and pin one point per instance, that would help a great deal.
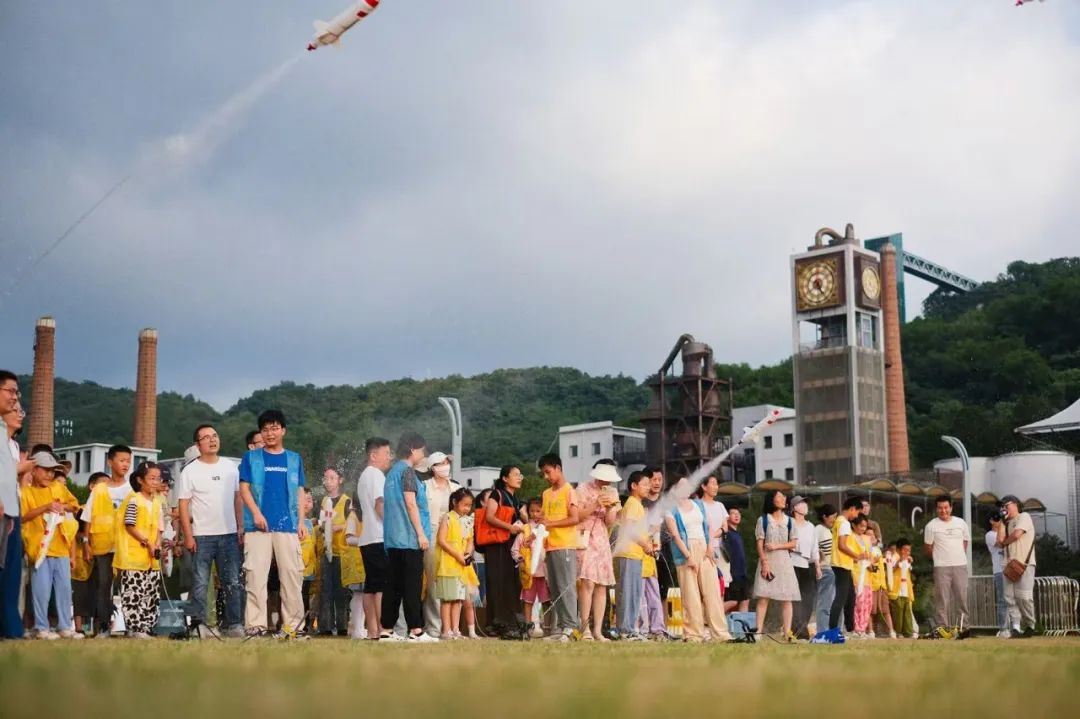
(510, 184)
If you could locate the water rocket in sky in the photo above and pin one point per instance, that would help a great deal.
(329, 33)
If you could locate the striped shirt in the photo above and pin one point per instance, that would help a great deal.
(824, 540)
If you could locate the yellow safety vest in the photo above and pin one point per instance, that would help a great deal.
(102, 520)
(352, 563)
(340, 517)
(33, 532)
(131, 555)
(445, 564)
(307, 550)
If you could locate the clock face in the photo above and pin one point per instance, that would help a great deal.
(871, 283)
(817, 283)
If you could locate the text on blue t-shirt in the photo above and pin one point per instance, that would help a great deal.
(275, 496)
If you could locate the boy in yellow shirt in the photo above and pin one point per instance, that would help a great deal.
(561, 518)
(47, 501)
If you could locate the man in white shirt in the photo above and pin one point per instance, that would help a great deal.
(1017, 536)
(946, 538)
(210, 516)
(369, 498)
(997, 561)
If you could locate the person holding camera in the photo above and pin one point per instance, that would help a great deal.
(1017, 535)
(997, 563)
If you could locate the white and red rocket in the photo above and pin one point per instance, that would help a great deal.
(329, 33)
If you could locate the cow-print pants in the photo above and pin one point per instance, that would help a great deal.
(139, 594)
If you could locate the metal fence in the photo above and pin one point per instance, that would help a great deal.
(982, 603)
(1057, 600)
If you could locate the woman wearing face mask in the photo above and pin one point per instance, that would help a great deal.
(439, 488)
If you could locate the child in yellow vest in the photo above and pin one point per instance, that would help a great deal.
(333, 596)
(453, 563)
(308, 548)
(82, 585)
(138, 551)
(100, 514)
(902, 590)
(534, 587)
(353, 574)
(879, 583)
(46, 502)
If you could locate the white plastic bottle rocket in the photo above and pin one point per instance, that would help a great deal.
(329, 33)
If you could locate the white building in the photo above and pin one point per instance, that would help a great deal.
(1051, 477)
(580, 445)
(776, 454)
(477, 479)
(89, 458)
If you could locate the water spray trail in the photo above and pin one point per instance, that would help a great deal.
(56, 243)
(199, 144)
(178, 151)
(669, 500)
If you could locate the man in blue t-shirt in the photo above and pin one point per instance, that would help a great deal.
(270, 479)
(407, 533)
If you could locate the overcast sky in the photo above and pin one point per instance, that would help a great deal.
(468, 186)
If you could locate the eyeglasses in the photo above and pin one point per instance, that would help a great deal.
(13, 391)
(208, 436)
(271, 428)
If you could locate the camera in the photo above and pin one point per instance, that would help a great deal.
(157, 554)
(997, 514)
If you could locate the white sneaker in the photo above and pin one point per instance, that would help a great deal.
(1004, 634)
(69, 634)
(536, 632)
(892, 635)
(563, 636)
(391, 637)
(47, 634)
(103, 635)
(141, 636)
(870, 635)
(423, 638)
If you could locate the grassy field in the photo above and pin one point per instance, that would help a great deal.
(337, 678)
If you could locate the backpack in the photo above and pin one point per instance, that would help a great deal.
(765, 526)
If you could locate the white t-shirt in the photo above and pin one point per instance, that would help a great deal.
(717, 514)
(117, 494)
(997, 554)
(692, 520)
(948, 539)
(212, 490)
(368, 489)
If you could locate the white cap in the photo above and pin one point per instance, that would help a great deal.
(431, 460)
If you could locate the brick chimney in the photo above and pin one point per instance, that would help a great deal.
(42, 401)
(145, 434)
(895, 403)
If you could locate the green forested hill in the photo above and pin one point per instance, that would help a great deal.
(978, 365)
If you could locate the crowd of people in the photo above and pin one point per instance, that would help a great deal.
(412, 555)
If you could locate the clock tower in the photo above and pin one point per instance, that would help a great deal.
(838, 361)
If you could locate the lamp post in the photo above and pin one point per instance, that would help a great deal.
(965, 465)
(453, 408)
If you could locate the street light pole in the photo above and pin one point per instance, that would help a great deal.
(965, 465)
(453, 408)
